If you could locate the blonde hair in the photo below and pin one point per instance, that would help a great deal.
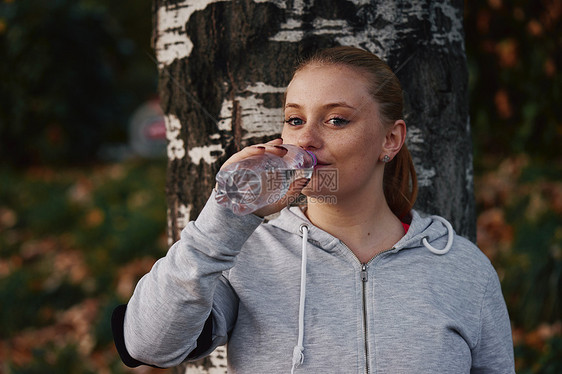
(400, 184)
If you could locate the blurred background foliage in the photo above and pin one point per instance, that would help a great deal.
(72, 73)
(513, 50)
(514, 59)
(77, 232)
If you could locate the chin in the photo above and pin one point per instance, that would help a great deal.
(319, 196)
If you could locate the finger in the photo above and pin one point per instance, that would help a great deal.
(277, 141)
(246, 152)
(273, 146)
(276, 147)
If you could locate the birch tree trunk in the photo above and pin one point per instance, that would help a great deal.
(224, 65)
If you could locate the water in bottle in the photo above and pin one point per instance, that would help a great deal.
(261, 180)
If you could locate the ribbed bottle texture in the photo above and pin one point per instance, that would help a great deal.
(258, 181)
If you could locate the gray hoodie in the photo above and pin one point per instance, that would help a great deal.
(430, 304)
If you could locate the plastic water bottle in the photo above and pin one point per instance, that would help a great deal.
(261, 180)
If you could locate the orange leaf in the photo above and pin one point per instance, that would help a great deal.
(503, 105)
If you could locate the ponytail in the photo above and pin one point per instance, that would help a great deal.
(400, 183)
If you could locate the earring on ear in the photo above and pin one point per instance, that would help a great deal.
(386, 158)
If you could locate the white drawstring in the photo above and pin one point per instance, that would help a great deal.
(298, 350)
(449, 240)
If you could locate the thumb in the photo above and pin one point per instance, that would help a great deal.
(294, 191)
(290, 197)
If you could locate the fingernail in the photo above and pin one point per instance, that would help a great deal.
(281, 147)
(260, 147)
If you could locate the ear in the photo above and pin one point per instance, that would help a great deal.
(394, 139)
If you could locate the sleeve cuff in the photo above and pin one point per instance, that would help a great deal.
(204, 342)
(117, 327)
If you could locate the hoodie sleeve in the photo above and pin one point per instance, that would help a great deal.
(185, 296)
(494, 351)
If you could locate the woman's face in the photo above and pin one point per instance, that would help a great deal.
(329, 111)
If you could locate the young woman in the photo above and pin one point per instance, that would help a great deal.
(382, 289)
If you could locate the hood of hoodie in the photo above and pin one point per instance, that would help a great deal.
(436, 231)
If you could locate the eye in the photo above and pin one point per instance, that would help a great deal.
(338, 121)
(295, 121)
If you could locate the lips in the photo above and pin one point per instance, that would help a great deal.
(321, 164)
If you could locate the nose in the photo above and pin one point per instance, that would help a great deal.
(309, 137)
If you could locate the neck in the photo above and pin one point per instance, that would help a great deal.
(366, 226)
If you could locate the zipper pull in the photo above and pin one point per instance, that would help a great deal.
(364, 276)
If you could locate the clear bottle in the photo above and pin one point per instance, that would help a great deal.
(261, 180)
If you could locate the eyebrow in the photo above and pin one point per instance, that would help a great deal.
(328, 106)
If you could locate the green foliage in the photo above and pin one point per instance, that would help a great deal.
(64, 360)
(536, 282)
(26, 296)
(520, 229)
(535, 213)
(544, 359)
(73, 243)
(71, 77)
(39, 200)
(515, 85)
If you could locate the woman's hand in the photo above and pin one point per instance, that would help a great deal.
(275, 147)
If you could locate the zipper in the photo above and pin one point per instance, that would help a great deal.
(364, 279)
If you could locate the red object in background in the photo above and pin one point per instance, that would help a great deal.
(147, 130)
(156, 130)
